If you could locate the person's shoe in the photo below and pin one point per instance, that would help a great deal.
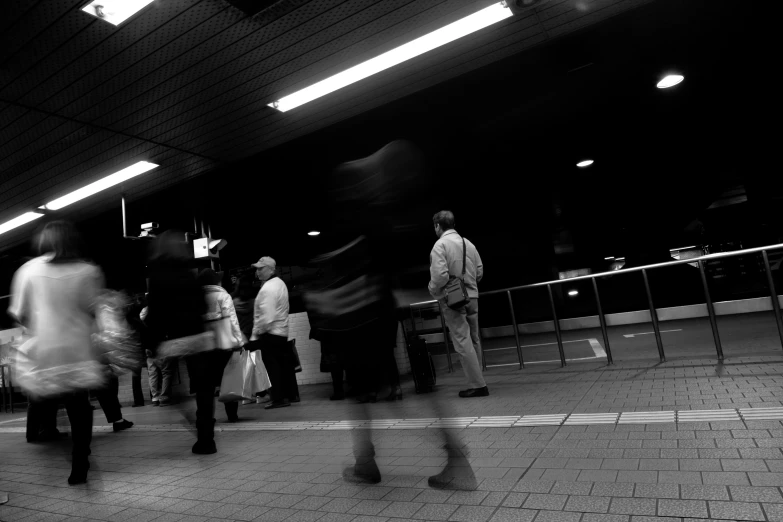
(475, 392)
(79, 473)
(122, 425)
(457, 474)
(296, 399)
(263, 400)
(165, 403)
(49, 435)
(394, 395)
(261, 394)
(156, 403)
(233, 419)
(278, 404)
(137, 405)
(337, 397)
(367, 473)
(204, 447)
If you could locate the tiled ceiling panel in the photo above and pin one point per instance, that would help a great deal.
(186, 83)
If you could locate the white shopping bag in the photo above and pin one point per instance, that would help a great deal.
(255, 376)
(232, 385)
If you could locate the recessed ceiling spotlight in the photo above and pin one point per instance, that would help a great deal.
(314, 233)
(670, 81)
(584, 163)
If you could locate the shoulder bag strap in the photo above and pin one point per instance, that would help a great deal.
(464, 258)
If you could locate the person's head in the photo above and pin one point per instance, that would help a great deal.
(265, 268)
(244, 287)
(208, 277)
(170, 247)
(443, 221)
(62, 241)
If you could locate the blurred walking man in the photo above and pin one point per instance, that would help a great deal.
(446, 264)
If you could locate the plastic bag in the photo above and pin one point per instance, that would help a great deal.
(232, 384)
(255, 376)
(117, 342)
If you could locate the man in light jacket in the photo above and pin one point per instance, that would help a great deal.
(446, 264)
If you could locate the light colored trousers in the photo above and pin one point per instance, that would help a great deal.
(464, 328)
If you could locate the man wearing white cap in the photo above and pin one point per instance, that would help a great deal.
(270, 331)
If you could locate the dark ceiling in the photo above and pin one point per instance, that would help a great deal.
(503, 116)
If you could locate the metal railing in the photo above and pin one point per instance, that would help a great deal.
(701, 261)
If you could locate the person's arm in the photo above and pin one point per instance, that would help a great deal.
(227, 310)
(20, 300)
(263, 312)
(439, 270)
(479, 266)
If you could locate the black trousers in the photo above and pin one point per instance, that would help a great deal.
(109, 400)
(138, 393)
(42, 414)
(279, 361)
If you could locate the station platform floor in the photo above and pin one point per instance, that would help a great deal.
(689, 439)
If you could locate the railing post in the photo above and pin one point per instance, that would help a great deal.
(654, 317)
(774, 294)
(445, 337)
(602, 320)
(711, 311)
(516, 329)
(557, 326)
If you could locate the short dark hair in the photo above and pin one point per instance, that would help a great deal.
(61, 240)
(208, 277)
(444, 218)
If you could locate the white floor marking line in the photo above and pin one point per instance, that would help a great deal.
(597, 348)
(650, 333)
(535, 345)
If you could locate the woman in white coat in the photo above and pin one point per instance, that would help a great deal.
(220, 309)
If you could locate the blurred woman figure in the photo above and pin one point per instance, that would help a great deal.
(175, 309)
(221, 314)
(54, 297)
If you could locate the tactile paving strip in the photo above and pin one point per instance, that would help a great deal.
(561, 419)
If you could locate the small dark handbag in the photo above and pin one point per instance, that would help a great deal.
(297, 364)
(456, 291)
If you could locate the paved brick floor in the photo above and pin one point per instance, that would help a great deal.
(605, 472)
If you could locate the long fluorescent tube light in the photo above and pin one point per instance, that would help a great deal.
(19, 221)
(115, 11)
(102, 184)
(454, 31)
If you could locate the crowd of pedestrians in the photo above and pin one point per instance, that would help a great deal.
(238, 344)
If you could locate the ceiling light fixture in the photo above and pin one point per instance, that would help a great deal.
(573, 293)
(585, 163)
(609, 258)
(102, 184)
(19, 221)
(670, 81)
(454, 31)
(115, 11)
(314, 233)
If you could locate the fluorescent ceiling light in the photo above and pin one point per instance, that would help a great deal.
(670, 81)
(609, 258)
(19, 221)
(683, 248)
(585, 163)
(573, 292)
(115, 11)
(314, 233)
(102, 184)
(454, 31)
(620, 259)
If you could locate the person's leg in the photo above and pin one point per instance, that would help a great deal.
(359, 358)
(337, 383)
(138, 393)
(287, 362)
(471, 316)
(271, 353)
(155, 380)
(107, 398)
(232, 411)
(80, 416)
(36, 411)
(460, 336)
(167, 370)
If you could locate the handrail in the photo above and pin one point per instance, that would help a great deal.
(707, 257)
(701, 260)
